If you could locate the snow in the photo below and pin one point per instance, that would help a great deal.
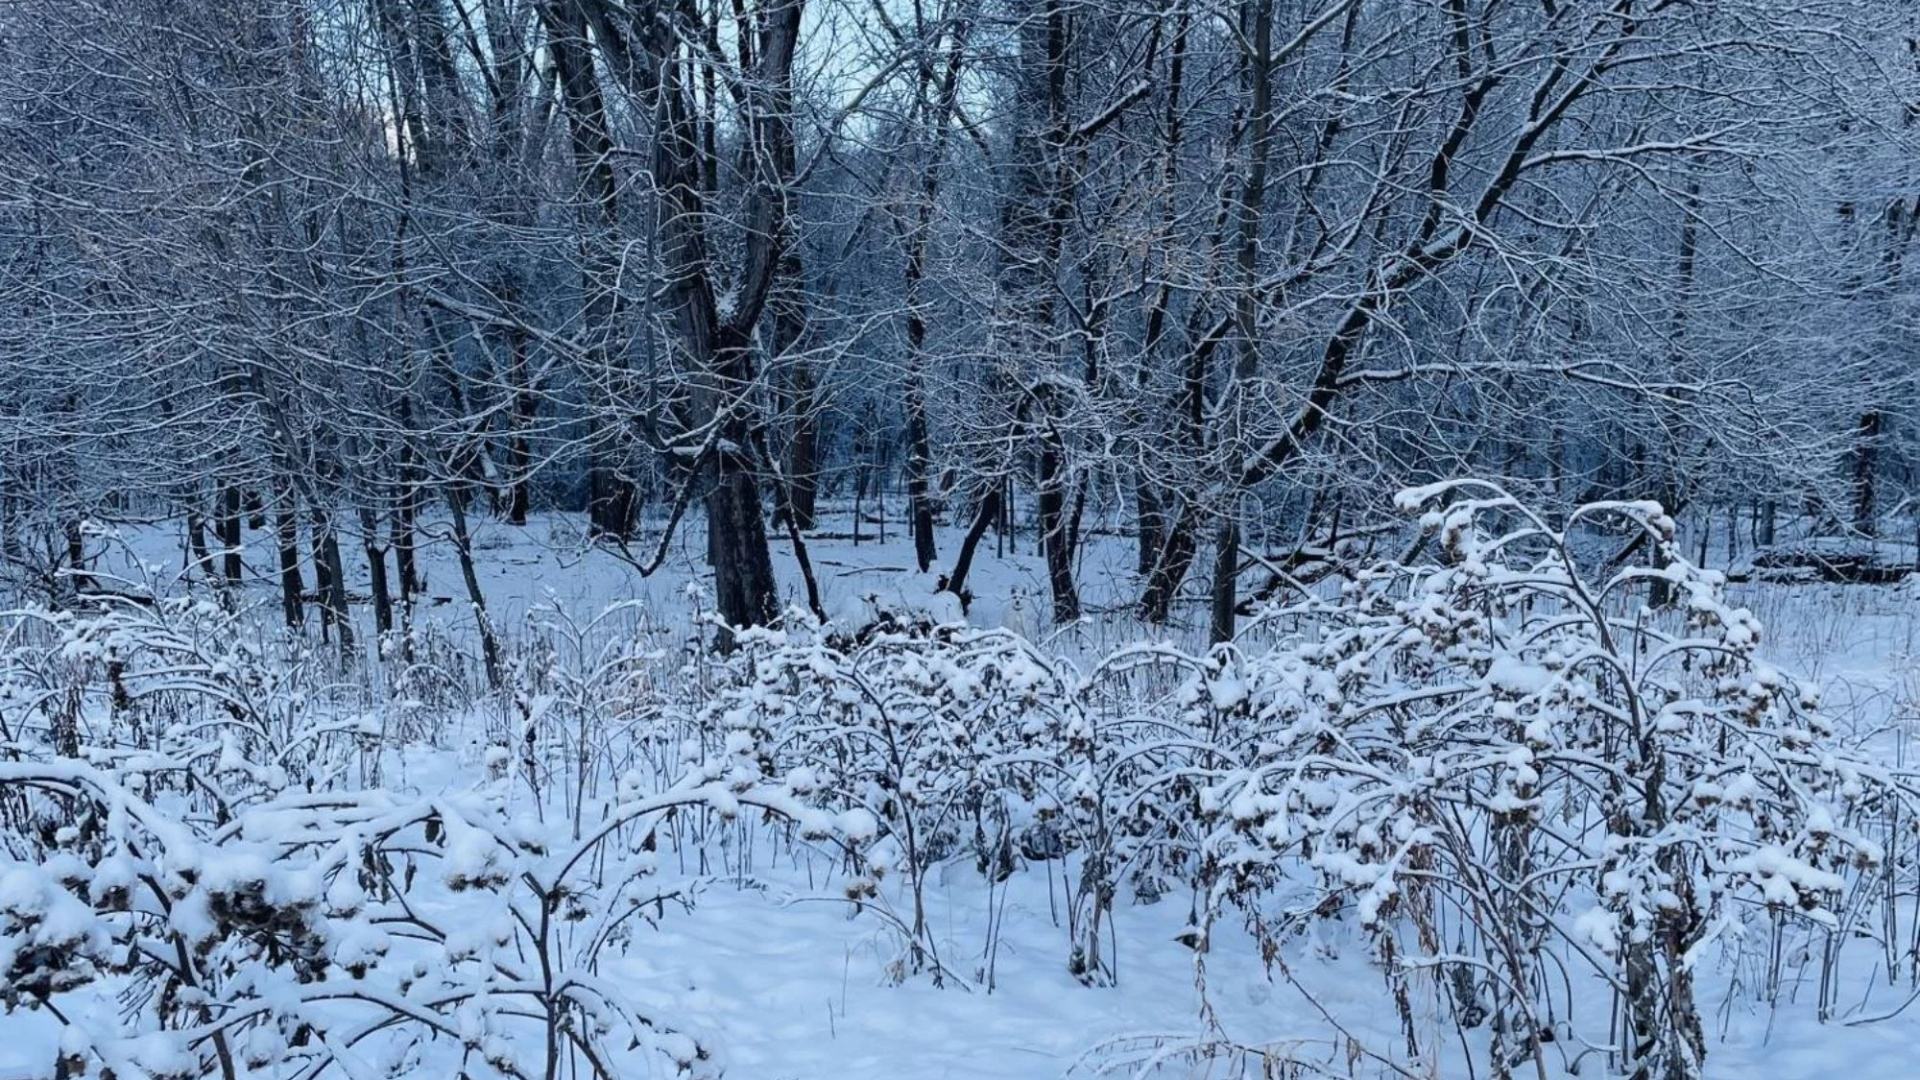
(764, 958)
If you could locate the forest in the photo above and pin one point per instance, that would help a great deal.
(959, 538)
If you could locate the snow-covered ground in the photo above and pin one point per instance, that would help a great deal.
(779, 975)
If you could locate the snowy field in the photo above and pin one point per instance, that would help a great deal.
(748, 943)
(1155, 694)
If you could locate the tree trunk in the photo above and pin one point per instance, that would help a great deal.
(286, 531)
(1033, 213)
(610, 497)
(1866, 454)
(198, 561)
(1056, 530)
(611, 506)
(463, 550)
(800, 493)
(230, 537)
(919, 446)
(1150, 505)
(983, 518)
(1146, 523)
(1170, 568)
(377, 572)
(644, 54)
(526, 407)
(400, 539)
(333, 587)
(1180, 532)
(1252, 209)
(919, 462)
(77, 556)
(1226, 572)
(803, 453)
(744, 588)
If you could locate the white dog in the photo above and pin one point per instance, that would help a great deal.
(1021, 614)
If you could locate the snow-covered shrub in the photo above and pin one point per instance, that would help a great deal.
(1516, 780)
(146, 676)
(176, 833)
(338, 930)
(954, 741)
(973, 747)
(587, 699)
(431, 674)
(1537, 807)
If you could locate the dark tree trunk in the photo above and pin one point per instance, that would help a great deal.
(611, 506)
(400, 539)
(446, 101)
(746, 593)
(1170, 567)
(286, 531)
(1008, 525)
(333, 590)
(803, 454)
(518, 496)
(1179, 542)
(1866, 453)
(610, 497)
(377, 572)
(983, 518)
(1056, 531)
(199, 562)
(230, 537)
(919, 460)
(861, 475)
(744, 589)
(800, 556)
(463, 550)
(526, 407)
(510, 206)
(322, 581)
(1150, 505)
(1036, 201)
(1146, 524)
(1252, 209)
(919, 445)
(77, 556)
(411, 583)
(406, 514)
(1226, 570)
(800, 494)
